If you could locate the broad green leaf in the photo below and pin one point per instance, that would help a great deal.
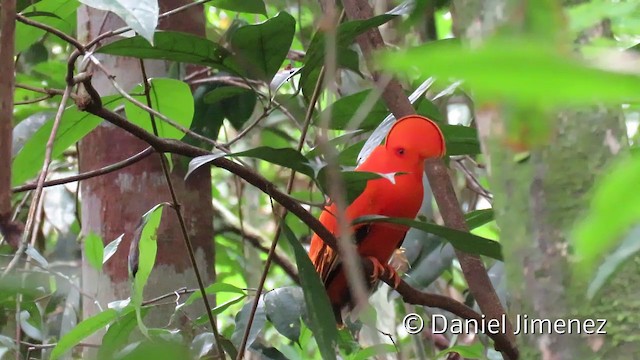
(242, 319)
(346, 34)
(74, 125)
(83, 330)
(173, 46)
(146, 235)
(222, 93)
(461, 240)
(207, 118)
(460, 140)
(214, 289)
(343, 110)
(117, 336)
(284, 308)
(94, 250)
(171, 98)
(245, 6)
(517, 69)
(478, 218)
(140, 15)
(260, 49)
(429, 110)
(59, 14)
(614, 210)
(321, 318)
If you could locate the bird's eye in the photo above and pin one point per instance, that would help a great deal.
(400, 151)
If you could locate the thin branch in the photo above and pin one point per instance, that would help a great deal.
(47, 91)
(25, 20)
(33, 219)
(90, 174)
(472, 266)
(183, 226)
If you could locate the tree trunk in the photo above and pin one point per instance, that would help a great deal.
(114, 203)
(537, 202)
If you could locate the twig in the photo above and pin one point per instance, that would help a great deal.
(33, 101)
(183, 226)
(36, 202)
(47, 91)
(177, 293)
(472, 266)
(51, 30)
(90, 174)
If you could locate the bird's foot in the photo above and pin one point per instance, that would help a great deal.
(380, 269)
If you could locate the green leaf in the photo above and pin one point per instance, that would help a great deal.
(242, 319)
(287, 157)
(284, 308)
(74, 125)
(614, 210)
(94, 250)
(373, 351)
(83, 330)
(207, 118)
(343, 110)
(346, 34)
(59, 14)
(628, 249)
(321, 318)
(140, 15)
(461, 240)
(473, 351)
(260, 49)
(245, 6)
(478, 218)
(460, 140)
(222, 93)
(117, 336)
(204, 319)
(173, 46)
(170, 97)
(517, 69)
(146, 235)
(214, 289)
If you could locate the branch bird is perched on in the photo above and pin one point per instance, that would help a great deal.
(411, 140)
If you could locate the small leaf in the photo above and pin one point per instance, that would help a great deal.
(461, 240)
(94, 250)
(460, 140)
(111, 249)
(321, 318)
(173, 46)
(36, 256)
(478, 218)
(200, 161)
(284, 308)
(343, 110)
(140, 15)
(244, 6)
(260, 49)
(242, 319)
(204, 319)
(282, 77)
(214, 289)
(170, 97)
(117, 336)
(83, 330)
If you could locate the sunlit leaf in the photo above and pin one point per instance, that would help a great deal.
(343, 111)
(94, 250)
(83, 330)
(140, 15)
(478, 218)
(58, 14)
(117, 336)
(111, 249)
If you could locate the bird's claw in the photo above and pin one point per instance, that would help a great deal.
(380, 269)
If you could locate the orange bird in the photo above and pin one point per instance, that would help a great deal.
(411, 140)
